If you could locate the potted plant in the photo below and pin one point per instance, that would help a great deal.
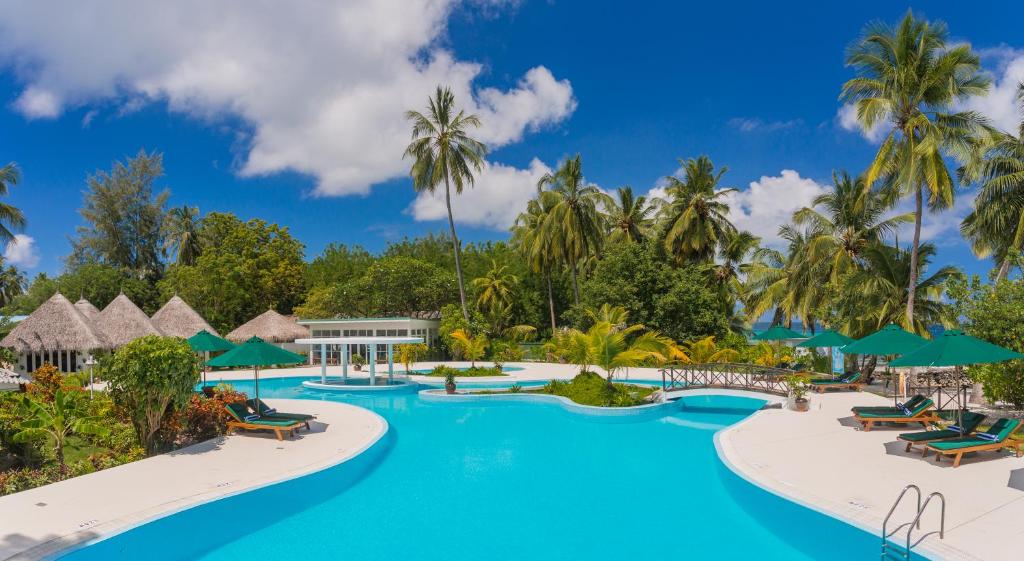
(449, 381)
(358, 362)
(798, 388)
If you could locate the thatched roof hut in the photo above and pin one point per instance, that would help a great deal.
(56, 325)
(88, 310)
(177, 319)
(123, 322)
(271, 327)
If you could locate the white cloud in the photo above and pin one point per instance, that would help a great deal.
(498, 196)
(770, 202)
(322, 87)
(21, 251)
(757, 124)
(941, 228)
(846, 116)
(1000, 105)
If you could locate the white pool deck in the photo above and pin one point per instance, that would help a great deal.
(36, 523)
(820, 458)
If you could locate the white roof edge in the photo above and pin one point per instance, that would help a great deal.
(358, 340)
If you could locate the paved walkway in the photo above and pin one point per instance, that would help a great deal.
(823, 459)
(41, 521)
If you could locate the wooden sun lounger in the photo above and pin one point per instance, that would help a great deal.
(279, 427)
(923, 438)
(855, 383)
(923, 413)
(957, 447)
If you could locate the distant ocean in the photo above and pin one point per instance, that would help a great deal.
(760, 326)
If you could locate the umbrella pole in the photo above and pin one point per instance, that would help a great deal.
(256, 376)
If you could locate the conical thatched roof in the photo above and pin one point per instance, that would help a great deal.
(177, 319)
(88, 310)
(56, 325)
(123, 322)
(269, 326)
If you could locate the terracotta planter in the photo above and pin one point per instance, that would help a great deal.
(449, 388)
(802, 405)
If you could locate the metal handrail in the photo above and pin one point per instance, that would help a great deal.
(920, 512)
(917, 519)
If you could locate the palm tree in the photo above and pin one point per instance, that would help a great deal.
(907, 76)
(12, 284)
(181, 234)
(443, 152)
(537, 245)
(789, 282)
(698, 218)
(845, 221)
(613, 347)
(67, 414)
(469, 346)
(630, 217)
(996, 225)
(574, 222)
(881, 288)
(706, 350)
(733, 258)
(495, 287)
(11, 218)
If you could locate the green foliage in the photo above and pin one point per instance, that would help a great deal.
(66, 414)
(472, 347)
(98, 283)
(149, 378)
(588, 388)
(338, 264)
(245, 269)
(799, 385)
(442, 371)
(995, 313)
(410, 353)
(11, 217)
(676, 302)
(124, 218)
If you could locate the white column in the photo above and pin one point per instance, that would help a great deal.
(391, 363)
(311, 354)
(373, 364)
(323, 363)
(344, 363)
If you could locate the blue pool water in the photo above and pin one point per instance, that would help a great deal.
(505, 481)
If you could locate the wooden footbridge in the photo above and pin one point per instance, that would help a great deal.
(726, 375)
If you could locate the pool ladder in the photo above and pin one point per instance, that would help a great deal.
(898, 552)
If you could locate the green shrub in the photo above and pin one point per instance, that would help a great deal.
(441, 371)
(589, 388)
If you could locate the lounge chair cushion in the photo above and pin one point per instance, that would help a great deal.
(927, 435)
(987, 436)
(251, 418)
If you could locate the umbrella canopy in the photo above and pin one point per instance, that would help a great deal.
(778, 333)
(956, 348)
(204, 341)
(890, 340)
(828, 338)
(255, 352)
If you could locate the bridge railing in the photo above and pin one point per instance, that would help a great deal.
(726, 375)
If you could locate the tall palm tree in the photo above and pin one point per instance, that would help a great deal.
(881, 287)
(12, 284)
(786, 281)
(907, 77)
(996, 225)
(698, 218)
(495, 287)
(444, 153)
(574, 221)
(181, 234)
(11, 217)
(845, 221)
(535, 244)
(734, 258)
(630, 217)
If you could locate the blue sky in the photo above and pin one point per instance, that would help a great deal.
(293, 114)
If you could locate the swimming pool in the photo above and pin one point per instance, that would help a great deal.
(506, 481)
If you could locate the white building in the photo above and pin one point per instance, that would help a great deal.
(368, 327)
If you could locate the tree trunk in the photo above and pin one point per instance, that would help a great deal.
(59, 452)
(1015, 247)
(551, 302)
(912, 287)
(575, 285)
(455, 247)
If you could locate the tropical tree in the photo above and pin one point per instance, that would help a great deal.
(734, 255)
(996, 225)
(574, 223)
(444, 153)
(11, 217)
(615, 316)
(66, 414)
(881, 289)
(469, 346)
(410, 353)
(907, 77)
(844, 222)
(181, 234)
(494, 289)
(706, 350)
(535, 244)
(788, 282)
(630, 217)
(12, 284)
(697, 215)
(614, 347)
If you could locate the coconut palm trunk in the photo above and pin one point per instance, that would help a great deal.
(455, 248)
(915, 245)
(551, 302)
(575, 285)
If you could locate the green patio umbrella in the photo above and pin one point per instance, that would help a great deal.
(206, 342)
(778, 333)
(255, 352)
(956, 348)
(889, 341)
(829, 338)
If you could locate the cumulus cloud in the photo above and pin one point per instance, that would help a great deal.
(21, 251)
(846, 116)
(755, 124)
(1000, 105)
(322, 88)
(494, 201)
(770, 202)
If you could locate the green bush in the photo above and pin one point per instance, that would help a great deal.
(441, 371)
(589, 388)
